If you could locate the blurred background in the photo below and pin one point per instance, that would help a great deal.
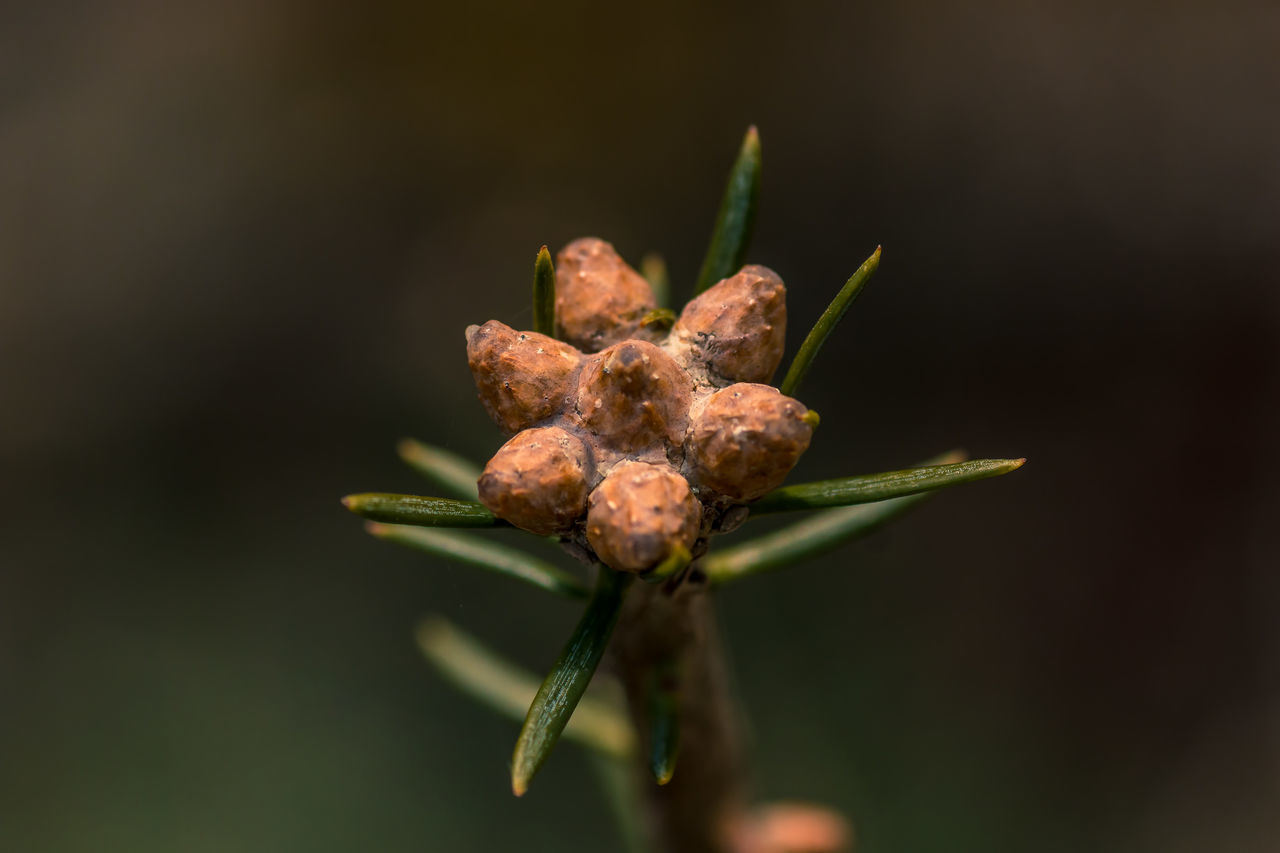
(239, 242)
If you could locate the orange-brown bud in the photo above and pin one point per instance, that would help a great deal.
(639, 513)
(791, 828)
(634, 395)
(522, 377)
(746, 440)
(599, 299)
(537, 480)
(738, 326)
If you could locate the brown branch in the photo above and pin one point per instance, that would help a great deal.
(693, 813)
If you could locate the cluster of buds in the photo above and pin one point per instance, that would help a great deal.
(629, 439)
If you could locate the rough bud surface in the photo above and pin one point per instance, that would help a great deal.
(600, 300)
(746, 440)
(633, 395)
(522, 377)
(682, 447)
(738, 327)
(638, 513)
(538, 480)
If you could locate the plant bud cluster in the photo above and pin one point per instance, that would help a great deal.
(628, 443)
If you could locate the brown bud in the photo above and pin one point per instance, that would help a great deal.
(522, 377)
(634, 395)
(791, 828)
(537, 480)
(738, 326)
(599, 299)
(638, 513)
(746, 440)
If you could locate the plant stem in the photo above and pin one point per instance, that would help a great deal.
(661, 623)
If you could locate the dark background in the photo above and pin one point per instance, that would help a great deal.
(239, 242)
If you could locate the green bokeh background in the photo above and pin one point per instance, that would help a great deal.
(238, 246)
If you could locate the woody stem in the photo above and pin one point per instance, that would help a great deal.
(661, 625)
